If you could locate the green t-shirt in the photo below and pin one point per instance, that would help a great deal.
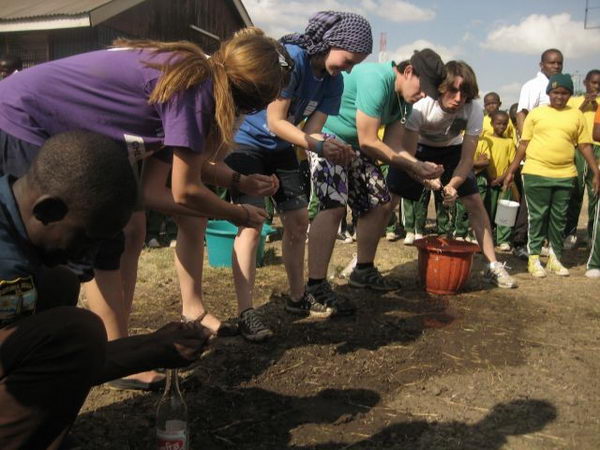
(369, 88)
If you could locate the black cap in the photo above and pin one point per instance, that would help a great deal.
(430, 68)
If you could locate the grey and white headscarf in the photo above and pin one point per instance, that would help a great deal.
(327, 29)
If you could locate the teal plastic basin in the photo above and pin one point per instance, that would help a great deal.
(220, 235)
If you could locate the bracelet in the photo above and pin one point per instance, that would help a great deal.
(319, 148)
(234, 186)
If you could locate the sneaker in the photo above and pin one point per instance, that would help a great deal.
(371, 278)
(459, 238)
(504, 247)
(409, 239)
(521, 253)
(252, 328)
(173, 243)
(392, 236)
(496, 274)
(545, 251)
(348, 239)
(324, 295)
(555, 266)
(418, 236)
(570, 242)
(593, 273)
(308, 306)
(534, 267)
(153, 243)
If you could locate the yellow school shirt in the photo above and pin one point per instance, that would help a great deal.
(502, 153)
(576, 102)
(483, 148)
(553, 135)
(488, 130)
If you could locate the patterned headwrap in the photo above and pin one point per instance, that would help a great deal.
(327, 29)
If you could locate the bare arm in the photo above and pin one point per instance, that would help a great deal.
(588, 153)
(393, 150)
(596, 132)
(521, 115)
(514, 165)
(188, 194)
(465, 165)
(277, 122)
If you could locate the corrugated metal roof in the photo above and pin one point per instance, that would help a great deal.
(31, 9)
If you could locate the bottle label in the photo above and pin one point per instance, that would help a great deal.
(173, 438)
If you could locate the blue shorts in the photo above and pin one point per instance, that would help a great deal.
(402, 184)
(16, 157)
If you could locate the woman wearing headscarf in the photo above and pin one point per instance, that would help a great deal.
(332, 43)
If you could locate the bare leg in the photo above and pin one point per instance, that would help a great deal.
(480, 223)
(110, 294)
(295, 224)
(189, 261)
(244, 265)
(321, 241)
(369, 229)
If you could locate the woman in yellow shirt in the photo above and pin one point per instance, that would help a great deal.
(550, 135)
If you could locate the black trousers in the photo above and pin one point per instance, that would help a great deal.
(48, 363)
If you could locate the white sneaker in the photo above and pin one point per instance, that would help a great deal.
(545, 251)
(505, 247)
(409, 239)
(593, 273)
(173, 243)
(497, 274)
(391, 236)
(570, 242)
(418, 236)
(459, 238)
(153, 243)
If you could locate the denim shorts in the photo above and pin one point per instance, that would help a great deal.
(282, 163)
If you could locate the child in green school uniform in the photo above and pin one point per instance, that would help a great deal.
(550, 134)
(502, 152)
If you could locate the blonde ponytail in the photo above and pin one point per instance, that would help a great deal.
(248, 72)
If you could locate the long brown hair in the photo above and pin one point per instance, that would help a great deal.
(248, 72)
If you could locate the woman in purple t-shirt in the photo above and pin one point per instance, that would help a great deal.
(152, 96)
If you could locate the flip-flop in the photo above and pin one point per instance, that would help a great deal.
(131, 384)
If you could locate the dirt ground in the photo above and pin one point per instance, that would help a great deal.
(486, 369)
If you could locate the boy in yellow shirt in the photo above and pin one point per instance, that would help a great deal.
(491, 104)
(550, 135)
(588, 105)
(502, 152)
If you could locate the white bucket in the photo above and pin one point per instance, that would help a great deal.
(506, 214)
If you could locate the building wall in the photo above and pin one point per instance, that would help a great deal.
(165, 20)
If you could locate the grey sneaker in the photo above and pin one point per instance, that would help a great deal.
(371, 278)
(323, 293)
(499, 276)
(308, 305)
(252, 328)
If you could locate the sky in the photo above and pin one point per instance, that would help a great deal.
(501, 40)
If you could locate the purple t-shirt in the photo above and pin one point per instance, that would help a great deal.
(106, 92)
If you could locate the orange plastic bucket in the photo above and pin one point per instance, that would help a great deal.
(444, 264)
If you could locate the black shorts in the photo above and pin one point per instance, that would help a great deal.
(400, 183)
(16, 157)
(283, 163)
